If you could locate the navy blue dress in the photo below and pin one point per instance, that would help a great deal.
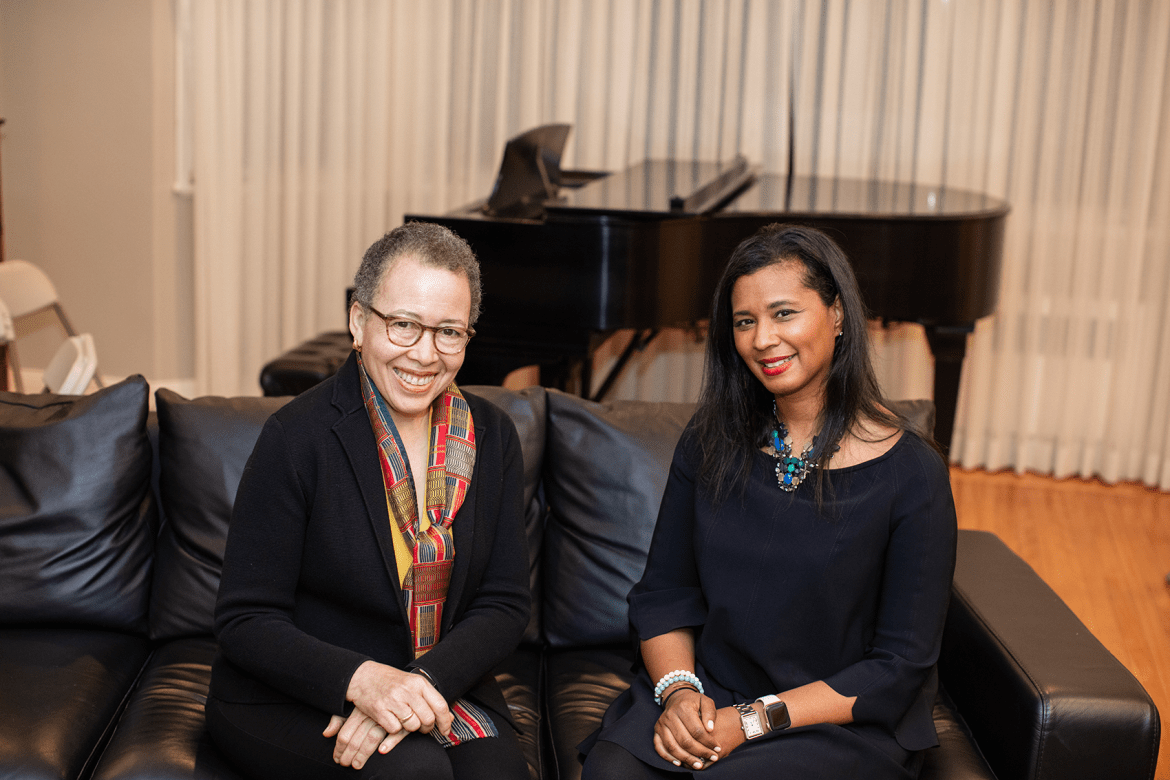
(781, 595)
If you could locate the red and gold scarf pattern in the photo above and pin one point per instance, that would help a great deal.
(450, 465)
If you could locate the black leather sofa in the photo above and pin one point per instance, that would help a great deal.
(111, 537)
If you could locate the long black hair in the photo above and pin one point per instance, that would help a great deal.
(735, 415)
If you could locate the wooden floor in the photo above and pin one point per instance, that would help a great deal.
(1105, 550)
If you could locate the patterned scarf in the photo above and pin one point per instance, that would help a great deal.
(450, 464)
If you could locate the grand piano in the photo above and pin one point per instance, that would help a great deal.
(569, 257)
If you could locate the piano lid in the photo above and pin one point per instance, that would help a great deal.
(646, 191)
(658, 189)
(776, 194)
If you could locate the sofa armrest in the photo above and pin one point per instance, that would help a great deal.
(1043, 698)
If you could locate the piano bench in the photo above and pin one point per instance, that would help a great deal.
(307, 364)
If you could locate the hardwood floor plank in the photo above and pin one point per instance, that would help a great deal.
(1104, 549)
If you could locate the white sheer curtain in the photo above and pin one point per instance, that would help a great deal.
(1072, 374)
(315, 125)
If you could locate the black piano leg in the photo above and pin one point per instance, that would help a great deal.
(584, 365)
(948, 343)
(639, 342)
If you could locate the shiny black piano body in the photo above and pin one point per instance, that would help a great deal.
(643, 248)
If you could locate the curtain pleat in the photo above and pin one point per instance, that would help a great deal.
(312, 127)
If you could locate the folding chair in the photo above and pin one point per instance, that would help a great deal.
(28, 291)
(72, 368)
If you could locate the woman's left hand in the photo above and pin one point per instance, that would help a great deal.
(727, 734)
(358, 736)
(727, 731)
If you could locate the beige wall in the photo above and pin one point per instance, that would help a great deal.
(86, 89)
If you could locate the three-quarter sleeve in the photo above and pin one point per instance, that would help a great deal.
(669, 595)
(895, 680)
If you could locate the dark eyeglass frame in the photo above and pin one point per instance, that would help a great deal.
(467, 332)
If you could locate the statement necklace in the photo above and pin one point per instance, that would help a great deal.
(790, 471)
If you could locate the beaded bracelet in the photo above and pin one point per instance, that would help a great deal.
(683, 687)
(677, 676)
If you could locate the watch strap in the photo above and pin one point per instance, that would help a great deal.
(775, 713)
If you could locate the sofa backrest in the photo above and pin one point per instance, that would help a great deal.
(605, 469)
(77, 516)
(78, 542)
(204, 444)
(528, 409)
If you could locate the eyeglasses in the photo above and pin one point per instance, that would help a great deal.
(449, 339)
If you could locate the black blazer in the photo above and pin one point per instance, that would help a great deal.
(310, 588)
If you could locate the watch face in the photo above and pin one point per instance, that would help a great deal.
(777, 715)
(750, 723)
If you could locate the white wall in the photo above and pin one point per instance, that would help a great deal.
(87, 92)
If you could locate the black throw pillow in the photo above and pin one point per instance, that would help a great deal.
(77, 516)
(204, 444)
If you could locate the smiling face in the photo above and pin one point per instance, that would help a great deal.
(411, 378)
(783, 331)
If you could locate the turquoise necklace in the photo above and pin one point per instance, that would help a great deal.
(790, 471)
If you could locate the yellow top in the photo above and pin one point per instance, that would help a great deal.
(403, 558)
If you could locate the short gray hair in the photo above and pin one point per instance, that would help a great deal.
(434, 246)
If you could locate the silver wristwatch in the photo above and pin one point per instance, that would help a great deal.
(749, 721)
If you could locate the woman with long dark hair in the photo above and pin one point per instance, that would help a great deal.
(791, 611)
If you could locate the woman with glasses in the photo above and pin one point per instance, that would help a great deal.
(376, 569)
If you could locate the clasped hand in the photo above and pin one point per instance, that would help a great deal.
(692, 732)
(388, 704)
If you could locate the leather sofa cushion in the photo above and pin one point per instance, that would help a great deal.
(956, 757)
(77, 517)
(204, 444)
(528, 410)
(162, 733)
(581, 686)
(612, 461)
(61, 692)
(519, 677)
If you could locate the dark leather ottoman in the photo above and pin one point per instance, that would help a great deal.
(307, 364)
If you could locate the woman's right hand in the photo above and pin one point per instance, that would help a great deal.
(684, 733)
(398, 700)
(358, 736)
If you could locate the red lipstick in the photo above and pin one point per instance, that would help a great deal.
(776, 367)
